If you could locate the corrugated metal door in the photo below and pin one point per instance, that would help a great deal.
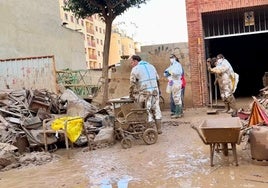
(28, 73)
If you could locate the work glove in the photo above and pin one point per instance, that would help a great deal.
(170, 82)
(131, 97)
(167, 74)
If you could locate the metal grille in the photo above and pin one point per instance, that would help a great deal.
(235, 22)
(77, 81)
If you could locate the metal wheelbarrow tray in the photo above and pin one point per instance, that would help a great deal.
(220, 131)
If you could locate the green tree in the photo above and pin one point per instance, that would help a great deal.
(108, 10)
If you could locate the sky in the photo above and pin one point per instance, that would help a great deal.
(156, 22)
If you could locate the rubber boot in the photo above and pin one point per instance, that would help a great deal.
(172, 105)
(158, 126)
(178, 111)
(232, 104)
(227, 108)
(230, 111)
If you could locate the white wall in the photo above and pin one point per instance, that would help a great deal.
(31, 28)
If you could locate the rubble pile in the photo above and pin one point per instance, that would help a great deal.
(22, 115)
(22, 111)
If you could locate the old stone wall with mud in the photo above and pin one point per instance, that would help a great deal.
(158, 55)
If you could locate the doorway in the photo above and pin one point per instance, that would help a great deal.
(248, 58)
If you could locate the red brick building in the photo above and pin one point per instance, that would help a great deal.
(236, 28)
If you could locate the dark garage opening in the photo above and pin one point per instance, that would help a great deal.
(248, 55)
(239, 35)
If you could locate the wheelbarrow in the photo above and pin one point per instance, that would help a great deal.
(218, 132)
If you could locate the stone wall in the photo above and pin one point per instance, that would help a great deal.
(158, 55)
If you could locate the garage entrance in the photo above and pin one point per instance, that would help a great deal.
(241, 36)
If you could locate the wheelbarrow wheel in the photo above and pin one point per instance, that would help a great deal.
(150, 136)
(126, 143)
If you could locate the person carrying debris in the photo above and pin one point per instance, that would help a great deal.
(174, 74)
(144, 88)
(227, 80)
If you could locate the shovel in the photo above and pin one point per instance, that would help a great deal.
(211, 110)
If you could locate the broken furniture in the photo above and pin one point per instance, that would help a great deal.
(64, 130)
(220, 131)
(39, 99)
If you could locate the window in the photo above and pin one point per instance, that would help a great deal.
(82, 22)
(96, 28)
(100, 30)
(66, 16)
(72, 19)
(101, 42)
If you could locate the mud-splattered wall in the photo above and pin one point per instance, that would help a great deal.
(158, 55)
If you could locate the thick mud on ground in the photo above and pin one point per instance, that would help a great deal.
(178, 159)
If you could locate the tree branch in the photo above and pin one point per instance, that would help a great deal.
(115, 5)
(95, 3)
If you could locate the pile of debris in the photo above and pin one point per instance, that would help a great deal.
(257, 110)
(22, 113)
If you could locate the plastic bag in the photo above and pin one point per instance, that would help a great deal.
(235, 79)
(74, 126)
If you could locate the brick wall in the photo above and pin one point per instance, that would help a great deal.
(197, 58)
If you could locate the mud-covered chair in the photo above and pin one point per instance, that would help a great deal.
(47, 131)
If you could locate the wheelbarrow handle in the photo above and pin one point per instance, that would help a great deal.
(199, 134)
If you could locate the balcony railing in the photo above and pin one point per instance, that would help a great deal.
(90, 31)
(92, 44)
(93, 56)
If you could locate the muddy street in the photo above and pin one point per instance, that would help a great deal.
(178, 159)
